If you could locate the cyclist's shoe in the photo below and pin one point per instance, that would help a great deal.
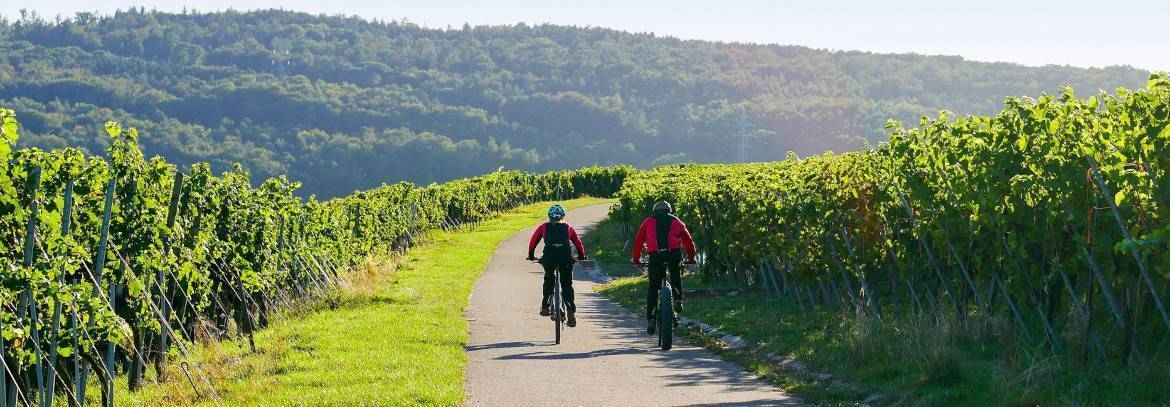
(572, 322)
(652, 327)
(544, 311)
(675, 321)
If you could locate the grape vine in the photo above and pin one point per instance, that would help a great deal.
(114, 263)
(1053, 211)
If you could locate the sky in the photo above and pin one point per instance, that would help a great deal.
(1031, 32)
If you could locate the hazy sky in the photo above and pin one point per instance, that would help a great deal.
(1032, 32)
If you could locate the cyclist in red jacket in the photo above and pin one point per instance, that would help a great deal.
(665, 238)
(557, 236)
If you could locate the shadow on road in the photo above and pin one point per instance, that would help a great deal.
(505, 345)
(626, 331)
(760, 402)
(579, 355)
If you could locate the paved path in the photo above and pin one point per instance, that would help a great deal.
(606, 360)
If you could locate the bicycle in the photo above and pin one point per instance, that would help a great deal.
(556, 302)
(665, 319)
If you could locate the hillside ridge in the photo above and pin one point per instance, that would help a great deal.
(344, 103)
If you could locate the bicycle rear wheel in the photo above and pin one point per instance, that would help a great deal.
(665, 319)
(558, 315)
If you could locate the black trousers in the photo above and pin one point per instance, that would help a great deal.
(660, 263)
(566, 269)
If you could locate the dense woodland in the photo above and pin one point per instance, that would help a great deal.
(343, 103)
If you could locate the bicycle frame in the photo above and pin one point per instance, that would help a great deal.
(556, 303)
(664, 317)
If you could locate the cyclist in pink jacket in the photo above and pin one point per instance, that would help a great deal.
(665, 238)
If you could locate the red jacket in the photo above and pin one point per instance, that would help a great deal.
(539, 234)
(678, 237)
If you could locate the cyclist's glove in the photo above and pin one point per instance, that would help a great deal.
(531, 257)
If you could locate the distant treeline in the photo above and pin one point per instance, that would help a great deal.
(343, 103)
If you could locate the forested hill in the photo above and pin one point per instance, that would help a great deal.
(343, 103)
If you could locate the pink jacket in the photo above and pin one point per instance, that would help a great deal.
(679, 237)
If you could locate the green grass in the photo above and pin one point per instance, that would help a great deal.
(400, 343)
(915, 361)
(606, 242)
(630, 292)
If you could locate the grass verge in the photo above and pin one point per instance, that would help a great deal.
(397, 339)
(906, 360)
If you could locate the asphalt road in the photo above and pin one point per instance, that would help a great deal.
(608, 359)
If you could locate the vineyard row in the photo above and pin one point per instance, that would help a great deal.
(1049, 221)
(112, 264)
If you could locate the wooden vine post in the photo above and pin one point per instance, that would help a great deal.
(28, 302)
(51, 381)
(164, 286)
(1138, 257)
(98, 271)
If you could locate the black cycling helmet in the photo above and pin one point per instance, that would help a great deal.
(662, 208)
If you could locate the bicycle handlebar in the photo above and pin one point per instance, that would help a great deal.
(537, 259)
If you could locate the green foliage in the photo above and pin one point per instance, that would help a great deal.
(8, 132)
(234, 250)
(1021, 176)
(996, 218)
(342, 104)
(406, 337)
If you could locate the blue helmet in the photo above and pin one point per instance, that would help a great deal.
(556, 211)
